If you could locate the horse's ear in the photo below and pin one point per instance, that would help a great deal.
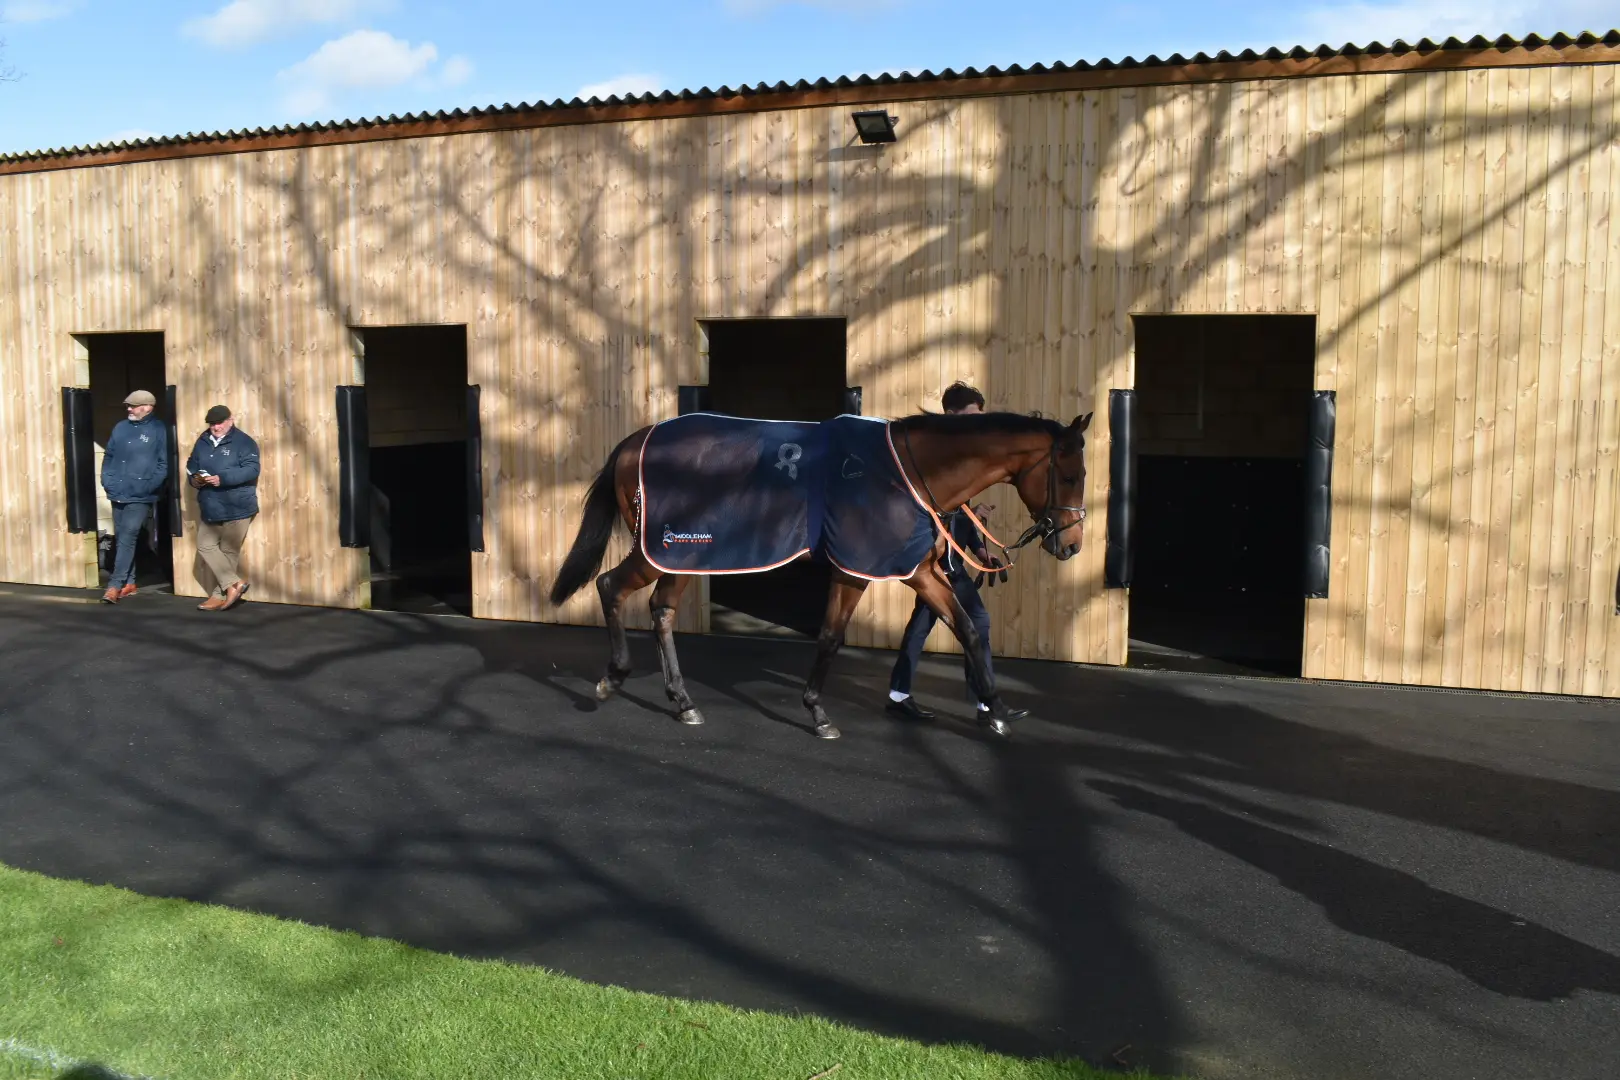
(1080, 424)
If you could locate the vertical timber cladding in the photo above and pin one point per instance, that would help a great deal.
(1450, 230)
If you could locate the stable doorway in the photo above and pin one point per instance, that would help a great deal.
(1223, 413)
(121, 363)
(417, 422)
(774, 369)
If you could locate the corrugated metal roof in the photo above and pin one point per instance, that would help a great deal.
(760, 93)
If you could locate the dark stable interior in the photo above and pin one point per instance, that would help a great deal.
(774, 369)
(416, 395)
(119, 364)
(1223, 411)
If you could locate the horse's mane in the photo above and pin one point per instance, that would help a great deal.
(990, 423)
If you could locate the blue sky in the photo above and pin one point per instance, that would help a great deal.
(95, 70)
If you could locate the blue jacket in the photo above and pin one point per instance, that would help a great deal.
(136, 464)
(965, 533)
(236, 462)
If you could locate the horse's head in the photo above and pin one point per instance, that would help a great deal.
(1054, 490)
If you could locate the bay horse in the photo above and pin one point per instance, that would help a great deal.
(945, 460)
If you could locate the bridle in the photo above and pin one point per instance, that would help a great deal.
(1045, 524)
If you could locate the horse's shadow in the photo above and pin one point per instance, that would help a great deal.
(570, 663)
(857, 686)
(572, 671)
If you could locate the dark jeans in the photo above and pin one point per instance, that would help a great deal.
(128, 520)
(922, 622)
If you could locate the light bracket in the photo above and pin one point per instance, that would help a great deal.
(875, 126)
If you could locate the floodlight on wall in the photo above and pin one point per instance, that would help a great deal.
(875, 126)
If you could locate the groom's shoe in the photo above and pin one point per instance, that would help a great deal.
(908, 708)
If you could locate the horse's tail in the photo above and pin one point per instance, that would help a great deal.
(595, 530)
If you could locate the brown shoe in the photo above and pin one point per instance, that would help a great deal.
(110, 596)
(213, 603)
(235, 593)
(127, 591)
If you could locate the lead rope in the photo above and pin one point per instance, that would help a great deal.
(929, 504)
(990, 536)
(1042, 528)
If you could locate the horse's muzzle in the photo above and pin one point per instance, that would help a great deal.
(1055, 547)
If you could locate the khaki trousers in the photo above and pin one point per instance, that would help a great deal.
(219, 547)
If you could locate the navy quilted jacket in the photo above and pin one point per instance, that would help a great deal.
(236, 462)
(136, 463)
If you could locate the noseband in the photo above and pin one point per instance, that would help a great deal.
(1044, 526)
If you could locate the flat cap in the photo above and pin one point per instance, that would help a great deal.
(140, 397)
(217, 415)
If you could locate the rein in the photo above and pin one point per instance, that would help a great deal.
(1043, 527)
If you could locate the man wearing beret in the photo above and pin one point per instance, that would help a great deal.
(134, 469)
(224, 468)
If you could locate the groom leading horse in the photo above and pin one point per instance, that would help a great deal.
(867, 495)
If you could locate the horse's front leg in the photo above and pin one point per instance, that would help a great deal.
(842, 599)
(666, 601)
(631, 575)
(937, 593)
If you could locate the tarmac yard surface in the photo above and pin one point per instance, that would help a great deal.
(1222, 877)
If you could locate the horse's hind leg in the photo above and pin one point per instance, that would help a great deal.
(666, 600)
(631, 575)
(842, 599)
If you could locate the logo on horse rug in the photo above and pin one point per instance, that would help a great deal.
(673, 537)
(738, 496)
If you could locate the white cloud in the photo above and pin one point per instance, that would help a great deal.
(456, 70)
(630, 83)
(32, 11)
(248, 22)
(363, 60)
(1412, 20)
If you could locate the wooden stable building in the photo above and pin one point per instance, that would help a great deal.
(1368, 301)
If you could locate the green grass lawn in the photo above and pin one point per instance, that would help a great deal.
(97, 976)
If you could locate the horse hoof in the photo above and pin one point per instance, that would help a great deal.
(1000, 727)
(606, 689)
(827, 731)
(690, 717)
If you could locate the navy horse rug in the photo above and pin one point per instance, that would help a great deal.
(728, 495)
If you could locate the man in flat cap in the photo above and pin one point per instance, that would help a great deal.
(134, 469)
(224, 468)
